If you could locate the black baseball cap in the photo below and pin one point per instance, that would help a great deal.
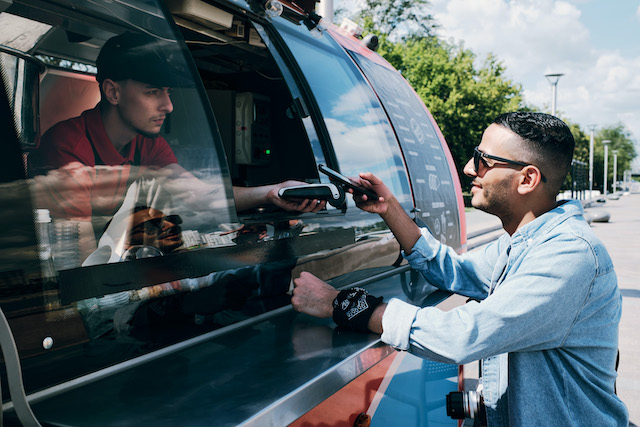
(144, 58)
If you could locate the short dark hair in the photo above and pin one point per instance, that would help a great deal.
(549, 143)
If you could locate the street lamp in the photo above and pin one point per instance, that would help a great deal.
(593, 128)
(615, 170)
(325, 9)
(606, 143)
(553, 80)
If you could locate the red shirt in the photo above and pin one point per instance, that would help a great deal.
(85, 174)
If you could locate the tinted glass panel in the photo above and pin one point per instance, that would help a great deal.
(431, 178)
(361, 135)
(132, 238)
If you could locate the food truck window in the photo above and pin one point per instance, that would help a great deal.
(141, 255)
(261, 128)
(360, 132)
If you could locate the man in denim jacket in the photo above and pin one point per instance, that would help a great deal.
(546, 324)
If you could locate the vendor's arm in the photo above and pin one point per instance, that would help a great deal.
(250, 197)
(180, 181)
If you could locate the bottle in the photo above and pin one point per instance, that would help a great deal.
(43, 228)
(64, 243)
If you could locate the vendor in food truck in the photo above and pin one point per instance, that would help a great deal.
(545, 302)
(90, 160)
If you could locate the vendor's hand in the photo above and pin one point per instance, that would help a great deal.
(379, 205)
(306, 205)
(313, 296)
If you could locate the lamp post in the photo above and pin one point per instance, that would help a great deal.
(553, 80)
(593, 128)
(615, 171)
(606, 143)
(325, 9)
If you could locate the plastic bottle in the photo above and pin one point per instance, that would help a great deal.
(43, 228)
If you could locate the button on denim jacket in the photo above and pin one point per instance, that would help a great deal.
(546, 324)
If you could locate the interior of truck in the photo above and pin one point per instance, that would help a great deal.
(255, 116)
(254, 136)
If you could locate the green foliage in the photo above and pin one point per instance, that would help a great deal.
(462, 97)
(397, 18)
(581, 152)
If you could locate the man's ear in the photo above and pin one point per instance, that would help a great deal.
(530, 179)
(111, 91)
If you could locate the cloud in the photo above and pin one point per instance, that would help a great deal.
(536, 37)
(542, 35)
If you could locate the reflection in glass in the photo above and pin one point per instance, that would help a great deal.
(360, 132)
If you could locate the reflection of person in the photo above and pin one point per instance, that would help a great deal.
(92, 155)
(548, 305)
(217, 299)
(151, 227)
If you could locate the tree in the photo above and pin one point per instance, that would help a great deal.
(397, 19)
(580, 154)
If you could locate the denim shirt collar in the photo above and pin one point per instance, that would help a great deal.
(564, 210)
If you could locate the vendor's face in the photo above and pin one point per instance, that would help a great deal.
(144, 107)
(151, 227)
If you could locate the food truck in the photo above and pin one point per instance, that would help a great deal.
(100, 327)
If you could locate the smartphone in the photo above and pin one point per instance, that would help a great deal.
(346, 182)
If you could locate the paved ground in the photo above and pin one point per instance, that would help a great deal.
(621, 236)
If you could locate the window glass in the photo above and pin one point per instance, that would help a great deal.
(131, 192)
(140, 244)
(360, 132)
(429, 170)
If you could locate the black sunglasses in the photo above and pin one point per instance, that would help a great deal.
(154, 225)
(479, 156)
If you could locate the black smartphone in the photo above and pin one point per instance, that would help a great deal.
(346, 182)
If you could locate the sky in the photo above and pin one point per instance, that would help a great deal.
(594, 43)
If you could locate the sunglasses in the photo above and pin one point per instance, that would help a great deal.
(154, 225)
(490, 161)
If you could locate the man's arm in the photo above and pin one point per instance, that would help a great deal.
(387, 206)
(315, 297)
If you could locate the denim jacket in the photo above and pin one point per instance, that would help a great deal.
(546, 324)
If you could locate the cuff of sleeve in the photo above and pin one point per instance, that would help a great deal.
(426, 247)
(396, 323)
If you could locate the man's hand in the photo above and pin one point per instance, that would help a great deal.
(387, 206)
(313, 296)
(306, 205)
(379, 205)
